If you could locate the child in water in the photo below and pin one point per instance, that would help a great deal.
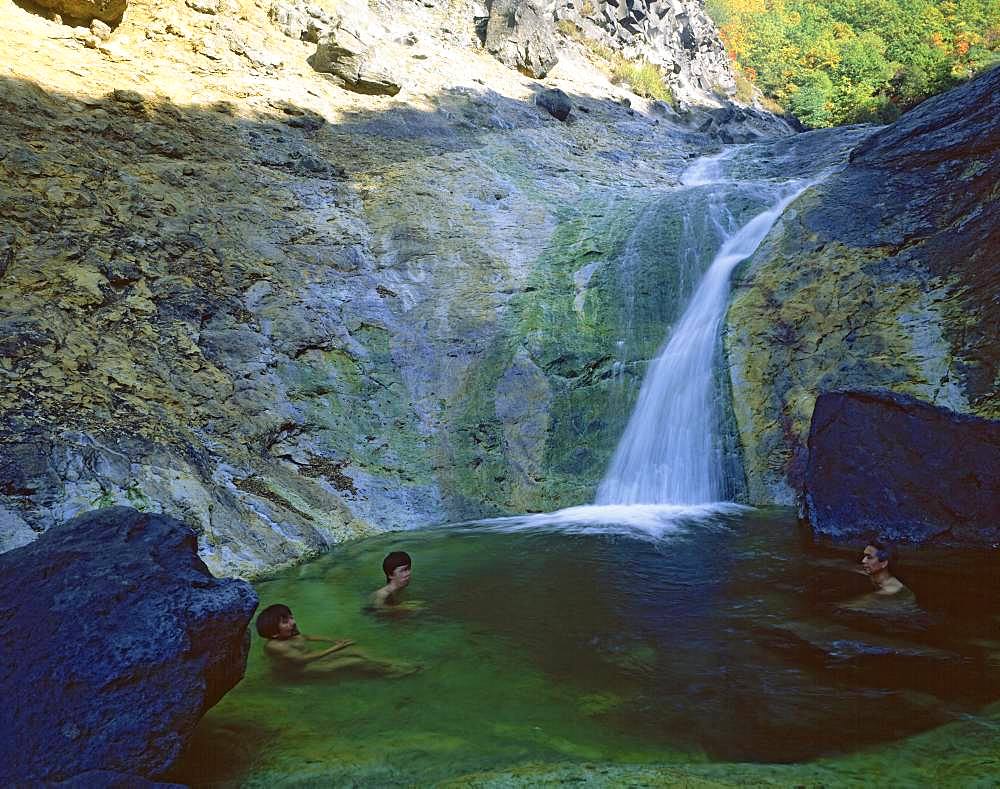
(398, 569)
(289, 650)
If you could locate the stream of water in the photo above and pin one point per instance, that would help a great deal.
(668, 453)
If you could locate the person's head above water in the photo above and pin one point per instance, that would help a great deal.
(277, 621)
(876, 557)
(396, 567)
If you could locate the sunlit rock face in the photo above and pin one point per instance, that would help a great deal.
(522, 34)
(677, 35)
(288, 314)
(87, 10)
(884, 276)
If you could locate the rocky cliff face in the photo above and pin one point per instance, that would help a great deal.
(289, 314)
(238, 291)
(886, 275)
(675, 34)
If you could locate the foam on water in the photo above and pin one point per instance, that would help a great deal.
(652, 522)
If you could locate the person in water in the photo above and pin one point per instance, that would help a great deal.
(398, 569)
(289, 650)
(876, 564)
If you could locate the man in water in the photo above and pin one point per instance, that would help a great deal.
(875, 564)
(290, 652)
(397, 567)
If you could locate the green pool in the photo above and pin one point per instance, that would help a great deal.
(644, 646)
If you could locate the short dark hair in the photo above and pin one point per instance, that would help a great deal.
(395, 560)
(883, 551)
(268, 619)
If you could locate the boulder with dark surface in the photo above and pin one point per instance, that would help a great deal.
(116, 640)
(887, 464)
(555, 102)
(86, 10)
(521, 34)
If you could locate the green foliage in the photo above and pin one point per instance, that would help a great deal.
(811, 102)
(845, 61)
(643, 77)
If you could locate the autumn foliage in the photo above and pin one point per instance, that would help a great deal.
(831, 62)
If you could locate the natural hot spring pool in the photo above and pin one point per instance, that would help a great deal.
(692, 642)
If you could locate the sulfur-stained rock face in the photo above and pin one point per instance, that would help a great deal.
(288, 314)
(884, 276)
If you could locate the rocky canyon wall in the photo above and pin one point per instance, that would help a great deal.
(887, 275)
(288, 313)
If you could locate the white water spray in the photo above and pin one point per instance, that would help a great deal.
(667, 454)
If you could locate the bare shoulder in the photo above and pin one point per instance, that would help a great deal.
(277, 648)
(891, 587)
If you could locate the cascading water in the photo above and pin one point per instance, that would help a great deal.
(668, 454)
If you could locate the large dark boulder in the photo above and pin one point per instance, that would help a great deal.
(887, 464)
(522, 34)
(116, 639)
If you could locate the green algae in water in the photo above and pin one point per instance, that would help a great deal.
(719, 641)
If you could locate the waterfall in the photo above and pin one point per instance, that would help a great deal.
(668, 454)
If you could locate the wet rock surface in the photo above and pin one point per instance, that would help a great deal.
(118, 639)
(885, 464)
(884, 276)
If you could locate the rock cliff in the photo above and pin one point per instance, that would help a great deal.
(886, 275)
(287, 313)
(675, 34)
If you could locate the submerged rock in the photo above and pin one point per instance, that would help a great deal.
(117, 640)
(882, 463)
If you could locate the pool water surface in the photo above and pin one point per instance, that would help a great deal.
(673, 637)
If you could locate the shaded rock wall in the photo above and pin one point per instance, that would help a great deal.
(885, 464)
(887, 275)
(117, 640)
